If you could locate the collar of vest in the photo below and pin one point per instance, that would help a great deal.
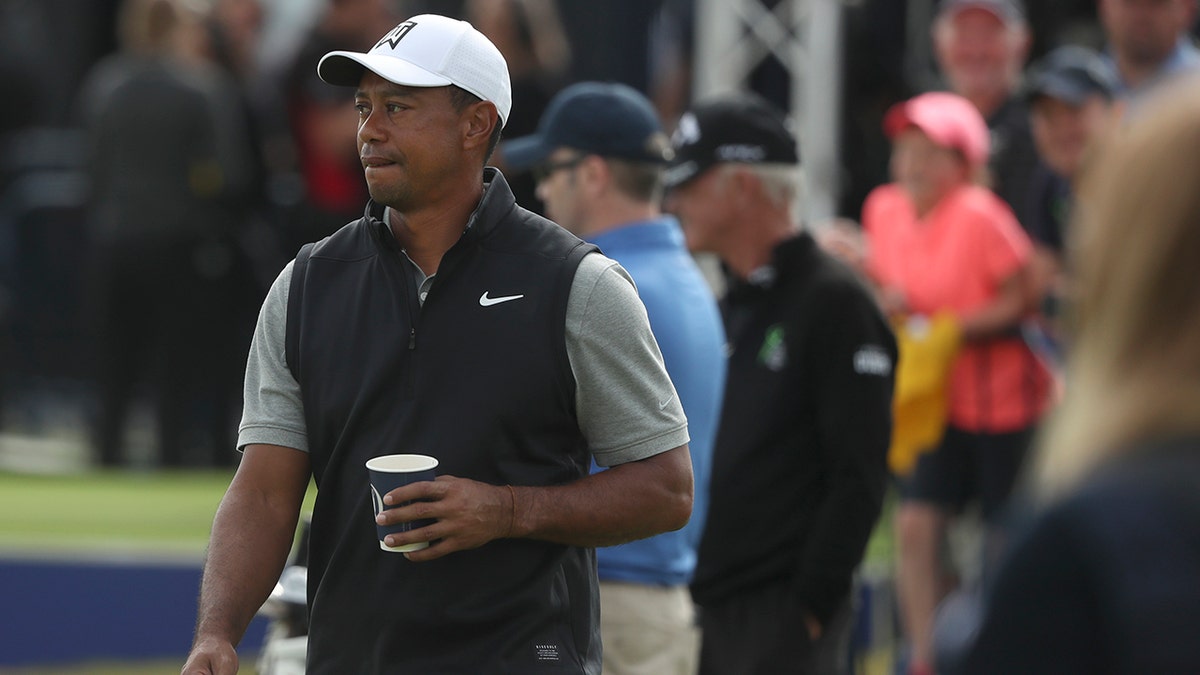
(497, 201)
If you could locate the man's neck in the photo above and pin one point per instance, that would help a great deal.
(1135, 74)
(749, 253)
(617, 212)
(988, 102)
(426, 234)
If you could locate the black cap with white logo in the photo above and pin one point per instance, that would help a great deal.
(742, 128)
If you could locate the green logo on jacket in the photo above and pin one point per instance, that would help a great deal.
(773, 352)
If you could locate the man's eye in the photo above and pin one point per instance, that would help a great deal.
(394, 107)
(362, 108)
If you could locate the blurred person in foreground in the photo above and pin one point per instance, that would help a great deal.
(599, 153)
(1105, 578)
(168, 165)
(799, 467)
(1149, 41)
(981, 47)
(447, 321)
(941, 248)
(1071, 109)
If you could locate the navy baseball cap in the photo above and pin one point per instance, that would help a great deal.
(740, 128)
(1005, 10)
(1072, 74)
(599, 118)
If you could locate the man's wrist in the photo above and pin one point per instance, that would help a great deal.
(518, 527)
(211, 632)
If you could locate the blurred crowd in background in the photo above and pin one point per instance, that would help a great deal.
(138, 233)
(162, 160)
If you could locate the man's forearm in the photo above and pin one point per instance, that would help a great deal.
(621, 504)
(250, 542)
(627, 502)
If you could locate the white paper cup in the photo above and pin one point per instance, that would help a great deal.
(388, 472)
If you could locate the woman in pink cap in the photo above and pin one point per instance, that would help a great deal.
(942, 246)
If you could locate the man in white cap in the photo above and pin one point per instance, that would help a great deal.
(451, 322)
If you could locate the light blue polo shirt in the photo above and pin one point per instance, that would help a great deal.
(687, 324)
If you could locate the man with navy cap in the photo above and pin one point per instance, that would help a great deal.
(1071, 94)
(799, 468)
(451, 322)
(599, 153)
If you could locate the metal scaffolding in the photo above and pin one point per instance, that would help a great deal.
(735, 36)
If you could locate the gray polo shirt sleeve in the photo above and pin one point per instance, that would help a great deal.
(272, 411)
(626, 403)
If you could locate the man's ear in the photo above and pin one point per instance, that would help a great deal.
(479, 120)
(744, 183)
(594, 173)
(1022, 37)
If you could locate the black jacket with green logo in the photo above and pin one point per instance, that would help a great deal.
(800, 466)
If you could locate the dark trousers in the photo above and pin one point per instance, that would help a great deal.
(763, 633)
(162, 324)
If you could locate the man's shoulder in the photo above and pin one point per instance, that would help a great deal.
(1011, 117)
(591, 275)
(1187, 54)
(353, 241)
(513, 229)
(822, 284)
(814, 264)
(650, 245)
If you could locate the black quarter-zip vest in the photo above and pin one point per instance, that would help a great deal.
(477, 377)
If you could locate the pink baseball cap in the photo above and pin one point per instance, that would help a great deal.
(949, 120)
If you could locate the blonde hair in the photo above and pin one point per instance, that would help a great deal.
(1134, 365)
(149, 27)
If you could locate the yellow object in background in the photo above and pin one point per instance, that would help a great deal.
(927, 347)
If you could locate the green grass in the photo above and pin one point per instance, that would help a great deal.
(136, 514)
(165, 512)
(881, 548)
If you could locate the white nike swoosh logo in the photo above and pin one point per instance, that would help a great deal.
(663, 404)
(485, 301)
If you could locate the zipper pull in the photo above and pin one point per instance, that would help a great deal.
(412, 338)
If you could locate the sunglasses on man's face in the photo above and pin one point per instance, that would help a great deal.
(546, 169)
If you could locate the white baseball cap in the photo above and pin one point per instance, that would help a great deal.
(429, 51)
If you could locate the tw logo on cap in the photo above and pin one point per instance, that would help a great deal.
(395, 35)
